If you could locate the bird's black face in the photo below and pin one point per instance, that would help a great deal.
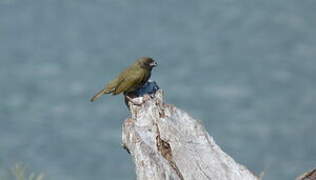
(148, 63)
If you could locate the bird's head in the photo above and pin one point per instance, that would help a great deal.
(146, 62)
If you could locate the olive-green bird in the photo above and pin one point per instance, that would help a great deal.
(132, 78)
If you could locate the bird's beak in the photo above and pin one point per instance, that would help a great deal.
(153, 64)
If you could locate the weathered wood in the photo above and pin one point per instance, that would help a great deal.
(167, 144)
(310, 175)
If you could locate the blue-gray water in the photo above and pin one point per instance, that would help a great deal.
(246, 68)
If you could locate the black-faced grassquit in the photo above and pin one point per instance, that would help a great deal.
(132, 78)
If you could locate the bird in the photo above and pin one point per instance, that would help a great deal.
(130, 79)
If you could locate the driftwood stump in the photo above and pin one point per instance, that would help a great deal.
(310, 175)
(167, 144)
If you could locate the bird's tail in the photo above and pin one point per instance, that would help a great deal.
(99, 94)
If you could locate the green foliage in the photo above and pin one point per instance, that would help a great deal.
(19, 172)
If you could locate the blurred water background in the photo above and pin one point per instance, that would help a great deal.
(246, 68)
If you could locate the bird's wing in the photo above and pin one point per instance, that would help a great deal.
(128, 83)
(112, 84)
